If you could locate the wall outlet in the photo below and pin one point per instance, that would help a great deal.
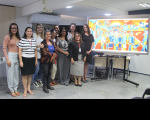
(2, 60)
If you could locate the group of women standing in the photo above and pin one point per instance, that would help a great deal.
(43, 57)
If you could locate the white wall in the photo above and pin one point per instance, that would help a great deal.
(21, 21)
(67, 20)
(141, 64)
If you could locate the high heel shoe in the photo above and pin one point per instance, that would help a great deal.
(80, 85)
(76, 85)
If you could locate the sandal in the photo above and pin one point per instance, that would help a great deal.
(84, 81)
(13, 94)
(30, 92)
(24, 95)
(17, 93)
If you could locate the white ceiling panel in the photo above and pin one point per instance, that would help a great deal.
(128, 5)
(82, 11)
(18, 3)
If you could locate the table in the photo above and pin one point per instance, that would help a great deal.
(118, 63)
(114, 62)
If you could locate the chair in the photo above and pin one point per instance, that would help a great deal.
(148, 98)
(147, 92)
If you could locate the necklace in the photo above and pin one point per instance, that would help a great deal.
(16, 40)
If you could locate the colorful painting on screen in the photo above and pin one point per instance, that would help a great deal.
(121, 35)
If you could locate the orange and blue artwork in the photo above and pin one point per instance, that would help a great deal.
(122, 35)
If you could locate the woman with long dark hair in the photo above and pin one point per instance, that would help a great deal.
(57, 29)
(28, 59)
(11, 42)
(63, 59)
(71, 35)
(88, 39)
(72, 32)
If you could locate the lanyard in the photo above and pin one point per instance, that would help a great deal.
(30, 43)
(79, 44)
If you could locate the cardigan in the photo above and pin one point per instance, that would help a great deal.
(74, 50)
(46, 56)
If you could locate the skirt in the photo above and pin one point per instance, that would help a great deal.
(89, 59)
(77, 68)
(28, 66)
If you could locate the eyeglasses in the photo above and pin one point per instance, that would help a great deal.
(14, 28)
(39, 27)
(54, 33)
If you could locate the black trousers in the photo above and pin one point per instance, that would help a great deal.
(47, 70)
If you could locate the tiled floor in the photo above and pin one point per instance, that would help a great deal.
(103, 89)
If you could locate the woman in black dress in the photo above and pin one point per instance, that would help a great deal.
(88, 39)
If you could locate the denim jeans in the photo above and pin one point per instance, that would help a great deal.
(38, 72)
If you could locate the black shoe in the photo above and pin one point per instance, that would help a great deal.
(45, 90)
(50, 87)
(76, 85)
(80, 85)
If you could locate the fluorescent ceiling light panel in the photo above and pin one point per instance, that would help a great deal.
(69, 6)
(143, 4)
(107, 14)
(146, 4)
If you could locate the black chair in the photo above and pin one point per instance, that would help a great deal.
(147, 92)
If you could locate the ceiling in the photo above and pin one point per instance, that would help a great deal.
(82, 11)
(82, 8)
(128, 5)
(17, 3)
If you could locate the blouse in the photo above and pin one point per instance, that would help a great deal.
(28, 47)
(62, 44)
(38, 42)
(11, 44)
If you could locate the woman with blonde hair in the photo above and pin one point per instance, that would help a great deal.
(77, 54)
(38, 36)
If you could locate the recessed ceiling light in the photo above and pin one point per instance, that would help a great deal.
(69, 6)
(107, 14)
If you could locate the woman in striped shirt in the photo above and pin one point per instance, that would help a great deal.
(28, 59)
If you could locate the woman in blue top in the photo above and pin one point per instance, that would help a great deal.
(48, 54)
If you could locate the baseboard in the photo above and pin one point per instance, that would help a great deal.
(140, 73)
(135, 72)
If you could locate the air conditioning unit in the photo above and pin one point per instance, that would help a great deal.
(44, 19)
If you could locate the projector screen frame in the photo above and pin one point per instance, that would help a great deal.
(119, 18)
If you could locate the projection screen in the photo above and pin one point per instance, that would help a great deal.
(122, 35)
